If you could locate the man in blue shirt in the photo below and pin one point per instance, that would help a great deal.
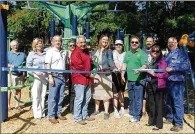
(15, 59)
(177, 62)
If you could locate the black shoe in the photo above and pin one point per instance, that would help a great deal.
(149, 125)
(155, 128)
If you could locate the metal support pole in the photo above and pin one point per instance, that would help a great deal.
(87, 33)
(118, 35)
(186, 81)
(83, 29)
(141, 39)
(52, 28)
(3, 51)
(187, 95)
(146, 17)
(74, 27)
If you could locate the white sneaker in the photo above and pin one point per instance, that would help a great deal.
(133, 120)
(128, 115)
(122, 112)
(116, 115)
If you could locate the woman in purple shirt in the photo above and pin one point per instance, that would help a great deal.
(156, 84)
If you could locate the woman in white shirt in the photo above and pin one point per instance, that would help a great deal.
(118, 85)
(36, 59)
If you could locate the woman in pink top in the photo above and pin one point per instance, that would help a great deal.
(155, 87)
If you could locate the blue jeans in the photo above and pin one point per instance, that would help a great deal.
(56, 96)
(135, 92)
(82, 98)
(174, 102)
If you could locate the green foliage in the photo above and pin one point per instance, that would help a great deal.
(28, 24)
(101, 21)
(164, 19)
(172, 23)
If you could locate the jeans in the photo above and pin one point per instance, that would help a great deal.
(135, 92)
(174, 101)
(82, 98)
(56, 96)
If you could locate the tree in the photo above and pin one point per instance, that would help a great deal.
(165, 19)
(28, 24)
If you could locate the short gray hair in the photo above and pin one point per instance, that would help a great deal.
(14, 41)
(56, 37)
(79, 37)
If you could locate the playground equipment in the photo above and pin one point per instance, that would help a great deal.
(3, 50)
(52, 28)
(70, 31)
(188, 40)
(64, 13)
(71, 17)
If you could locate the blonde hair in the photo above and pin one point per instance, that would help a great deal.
(100, 41)
(35, 42)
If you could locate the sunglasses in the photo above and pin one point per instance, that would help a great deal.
(71, 45)
(134, 42)
(155, 51)
(118, 44)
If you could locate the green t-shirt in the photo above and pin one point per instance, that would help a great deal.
(135, 60)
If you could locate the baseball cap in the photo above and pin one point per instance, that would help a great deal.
(119, 42)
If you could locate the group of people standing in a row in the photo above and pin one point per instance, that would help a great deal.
(149, 85)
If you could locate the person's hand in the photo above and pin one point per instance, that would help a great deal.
(169, 69)
(91, 76)
(10, 65)
(115, 70)
(93, 58)
(38, 73)
(26, 79)
(123, 79)
(67, 81)
(120, 69)
(151, 72)
(136, 72)
(51, 80)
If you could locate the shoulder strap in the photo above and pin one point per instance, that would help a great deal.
(67, 60)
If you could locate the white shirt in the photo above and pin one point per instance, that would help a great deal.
(56, 58)
(118, 58)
